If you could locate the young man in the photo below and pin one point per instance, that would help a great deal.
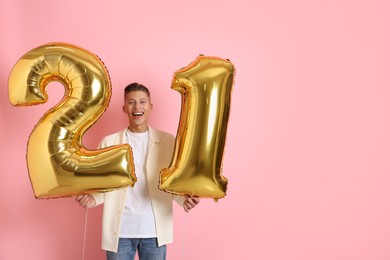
(139, 218)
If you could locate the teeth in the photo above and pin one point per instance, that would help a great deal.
(138, 114)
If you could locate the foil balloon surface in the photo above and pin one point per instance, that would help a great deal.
(205, 86)
(58, 163)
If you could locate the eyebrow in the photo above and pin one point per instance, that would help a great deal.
(141, 99)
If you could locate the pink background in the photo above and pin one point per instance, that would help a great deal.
(307, 152)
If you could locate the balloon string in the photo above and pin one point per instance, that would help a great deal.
(85, 231)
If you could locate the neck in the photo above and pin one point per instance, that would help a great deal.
(138, 129)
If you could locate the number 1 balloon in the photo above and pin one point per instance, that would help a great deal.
(205, 86)
(58, 163)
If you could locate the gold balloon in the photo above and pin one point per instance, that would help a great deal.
(205, 86)
(58, 163)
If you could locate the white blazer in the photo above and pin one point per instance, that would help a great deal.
(160, 150)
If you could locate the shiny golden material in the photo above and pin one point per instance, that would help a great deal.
(58, 164)
(205, 86)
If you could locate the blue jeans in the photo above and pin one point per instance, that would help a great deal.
(148, 249)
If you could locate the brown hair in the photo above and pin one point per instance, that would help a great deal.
(136, 86)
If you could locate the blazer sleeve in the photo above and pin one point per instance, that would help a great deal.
(179, 199)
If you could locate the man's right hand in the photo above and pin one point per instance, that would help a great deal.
(86, 201)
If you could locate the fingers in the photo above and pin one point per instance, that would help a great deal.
(78, 197)
(85, 201)
(190, 203)
(195, 200)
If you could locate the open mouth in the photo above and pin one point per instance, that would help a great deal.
(137, 114)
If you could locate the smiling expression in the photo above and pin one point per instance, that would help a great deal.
(137, 106)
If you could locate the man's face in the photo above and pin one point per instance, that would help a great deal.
(137, 107)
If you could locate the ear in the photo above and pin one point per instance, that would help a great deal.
(151, 106)
(123, 109)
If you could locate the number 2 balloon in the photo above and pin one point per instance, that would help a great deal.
(58, 164)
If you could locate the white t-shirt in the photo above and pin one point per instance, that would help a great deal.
(138, 218)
